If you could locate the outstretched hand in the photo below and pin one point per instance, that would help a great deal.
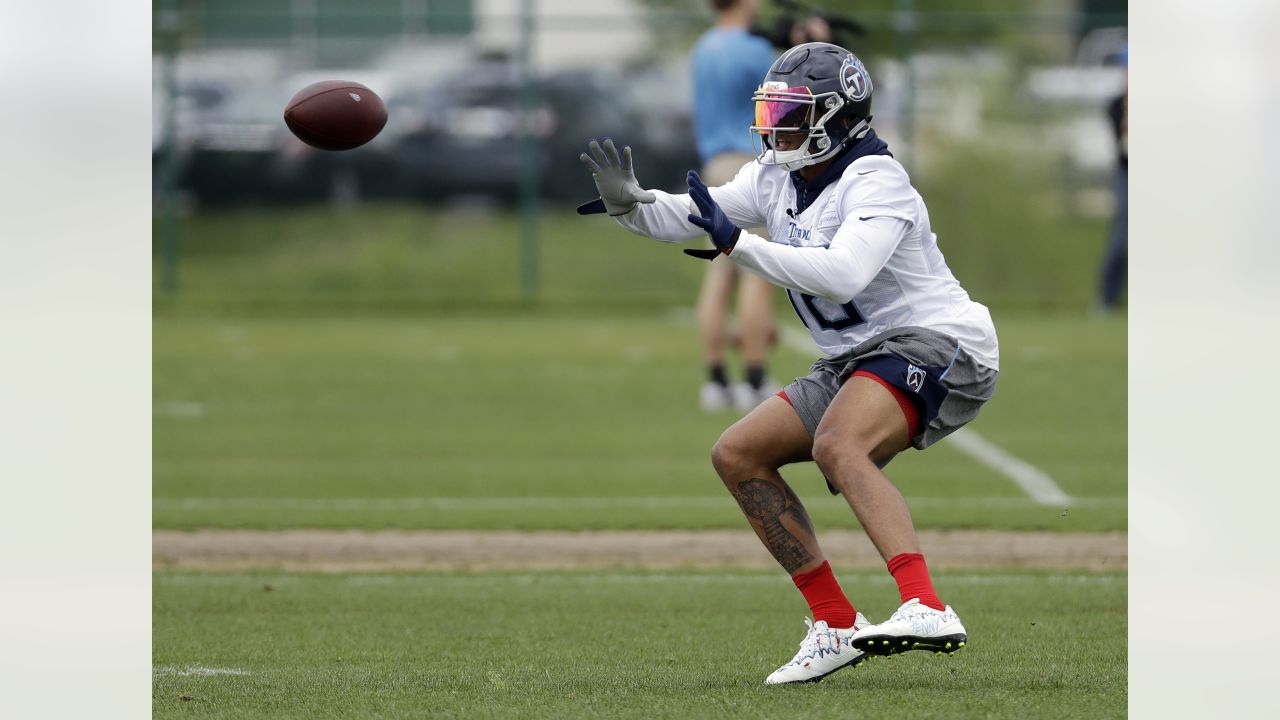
(724, 234)
(615, 178)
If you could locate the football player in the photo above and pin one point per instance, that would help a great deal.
(908, 356)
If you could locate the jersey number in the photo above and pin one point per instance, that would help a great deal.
(851, 315)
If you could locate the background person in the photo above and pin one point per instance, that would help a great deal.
(1115, 263)
(728, 64)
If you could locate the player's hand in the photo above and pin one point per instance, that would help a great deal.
(616, 181)
(712, 219)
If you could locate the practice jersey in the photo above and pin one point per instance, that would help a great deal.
(859, 260)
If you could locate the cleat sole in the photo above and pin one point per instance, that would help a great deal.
(881, 646)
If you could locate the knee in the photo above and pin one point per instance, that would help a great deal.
(839, 456)
(826, 452)
(732, 458)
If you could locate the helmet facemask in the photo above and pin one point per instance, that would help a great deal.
(782, 109)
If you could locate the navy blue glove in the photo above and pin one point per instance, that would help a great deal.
(712, 219)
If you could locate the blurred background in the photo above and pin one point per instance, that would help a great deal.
(998, 110)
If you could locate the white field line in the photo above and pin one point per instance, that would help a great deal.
(196, 671)
(494, 504)
(561, 577)
(1033, 481)
(179, 409)
(730, 579)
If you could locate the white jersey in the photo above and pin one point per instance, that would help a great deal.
(861, 259)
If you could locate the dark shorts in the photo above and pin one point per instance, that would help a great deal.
(944, 382)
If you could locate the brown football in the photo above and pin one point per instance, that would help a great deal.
(335, 115)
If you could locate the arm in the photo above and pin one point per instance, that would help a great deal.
(667, 218)
(664, 219)
(653, 213)
(856, 254)
(838, 272)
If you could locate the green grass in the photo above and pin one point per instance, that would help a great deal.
(377, 368)
(586, 644)
(557, 420)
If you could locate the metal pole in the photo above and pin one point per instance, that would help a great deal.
(529, 170)
(169, 27)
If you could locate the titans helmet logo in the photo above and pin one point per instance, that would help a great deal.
(855, 80)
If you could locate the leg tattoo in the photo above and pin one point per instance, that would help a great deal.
(764, 501)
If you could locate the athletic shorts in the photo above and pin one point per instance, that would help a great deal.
(944, 382)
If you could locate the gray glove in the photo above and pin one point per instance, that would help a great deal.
(616, 181)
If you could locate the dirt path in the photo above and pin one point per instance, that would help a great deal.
(463, 549)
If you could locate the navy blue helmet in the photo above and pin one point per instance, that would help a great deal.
(817, 88)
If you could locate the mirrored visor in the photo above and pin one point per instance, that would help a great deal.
(785, 108)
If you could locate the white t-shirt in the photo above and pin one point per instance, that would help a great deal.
(860, 260)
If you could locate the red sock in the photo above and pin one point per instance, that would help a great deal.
(825, 598)
(913, 579)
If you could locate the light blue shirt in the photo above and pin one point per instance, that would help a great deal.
(728, 66)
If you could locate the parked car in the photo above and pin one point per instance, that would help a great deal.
(454, 129)
(233, 152)
(585, 104)
(661, 101)
(464, 135)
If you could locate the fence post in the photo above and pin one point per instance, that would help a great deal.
(169, 26)
(529, 170)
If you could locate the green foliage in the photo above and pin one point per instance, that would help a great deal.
(1007, 248)
(406, 256)
(616, 645)
(1004, 232)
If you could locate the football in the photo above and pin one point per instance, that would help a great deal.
(335, 115)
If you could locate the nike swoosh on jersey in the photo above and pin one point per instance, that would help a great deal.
(867, 172)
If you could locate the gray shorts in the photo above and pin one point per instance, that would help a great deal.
(947, 385)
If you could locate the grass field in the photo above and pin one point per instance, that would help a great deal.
(566, 421)
(577, 644)
(378, 369)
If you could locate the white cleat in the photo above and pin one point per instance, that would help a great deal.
(715, 397)
(823, 651)
(913, 627)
